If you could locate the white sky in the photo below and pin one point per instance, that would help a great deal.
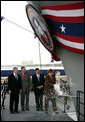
(18, 45)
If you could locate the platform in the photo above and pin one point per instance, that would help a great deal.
(33, 115)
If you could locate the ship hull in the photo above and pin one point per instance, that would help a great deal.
(73, 62)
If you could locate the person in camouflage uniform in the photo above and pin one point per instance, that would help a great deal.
(50, 91)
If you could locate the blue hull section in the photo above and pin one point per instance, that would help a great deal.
(32, 72)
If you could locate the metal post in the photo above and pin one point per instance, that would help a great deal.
(39, 55)
(78, 105)
(79, 108)
(65, 103)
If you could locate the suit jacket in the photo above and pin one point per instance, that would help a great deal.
(13, 84)
(37, 82)
(27, 82)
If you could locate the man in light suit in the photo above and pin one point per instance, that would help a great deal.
(26, 85)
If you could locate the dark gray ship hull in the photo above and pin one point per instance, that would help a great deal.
(73, 62)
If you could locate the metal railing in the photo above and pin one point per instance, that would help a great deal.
(80, 105)
(3, 93)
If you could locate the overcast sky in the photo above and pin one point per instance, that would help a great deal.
(18, 45)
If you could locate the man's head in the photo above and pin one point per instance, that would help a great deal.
(15, 70)
(37, 71)
(50, 72)
(23, 69)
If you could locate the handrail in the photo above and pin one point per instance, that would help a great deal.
(3, 93)
(78, 104)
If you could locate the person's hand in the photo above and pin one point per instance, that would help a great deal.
(39, 87)
(20, 90)
(53, 84)
(31, 88)
(9, 91)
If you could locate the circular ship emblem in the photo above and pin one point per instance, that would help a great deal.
(40, 28)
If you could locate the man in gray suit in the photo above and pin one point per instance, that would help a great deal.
(26, 86)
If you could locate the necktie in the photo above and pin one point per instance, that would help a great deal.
(24, 76)
(16, 77)
(38, 78)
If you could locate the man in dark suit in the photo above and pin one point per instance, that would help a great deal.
(14, 87)
(38, 85)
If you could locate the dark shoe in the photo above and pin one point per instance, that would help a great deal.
(11, 112)
(22, 109)
(56, 112)
(16, 111)
(27, 109)
(41, 109)
(37, 109)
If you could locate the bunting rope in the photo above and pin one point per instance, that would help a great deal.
(3, 18)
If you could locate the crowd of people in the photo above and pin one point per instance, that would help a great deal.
(22, 83)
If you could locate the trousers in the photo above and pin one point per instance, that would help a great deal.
(14, 100)
(25, 97)
(50, 96)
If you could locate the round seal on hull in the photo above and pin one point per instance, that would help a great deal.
(40, 27)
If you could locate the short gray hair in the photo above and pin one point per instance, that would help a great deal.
(15, 68)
